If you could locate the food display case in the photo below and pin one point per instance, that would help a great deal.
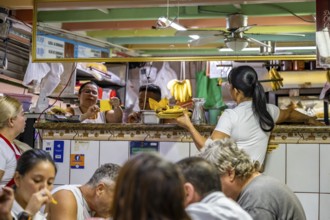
(305, 100)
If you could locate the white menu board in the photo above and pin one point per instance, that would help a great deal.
(49, 47)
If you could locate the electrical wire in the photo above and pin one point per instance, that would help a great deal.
(146, 91)
(74, 67)
(291, 12)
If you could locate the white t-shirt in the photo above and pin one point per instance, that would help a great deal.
(7, 162)
(243, 127)
(100, 116)
(83, 210)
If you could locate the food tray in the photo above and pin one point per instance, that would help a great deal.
(171, 115)
(62, 118)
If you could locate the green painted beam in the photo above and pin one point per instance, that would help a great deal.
(184, 40)
(171, 31)
(215, 52)
(185, 12)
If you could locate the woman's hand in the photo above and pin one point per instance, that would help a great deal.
(37, 200)
(184, 121)
(115, 102)
(92, 112)
(6, 203)
(134, 117)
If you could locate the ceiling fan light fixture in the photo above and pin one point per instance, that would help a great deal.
(236, 44)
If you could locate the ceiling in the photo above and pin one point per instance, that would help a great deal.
(131, 23)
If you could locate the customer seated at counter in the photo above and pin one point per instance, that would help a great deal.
(12, 123)
(145, 92)
(94, 198)
(263, 197)
(89, 111)
(249, 124)
(204, 199)
(34, 179)
(149, 187)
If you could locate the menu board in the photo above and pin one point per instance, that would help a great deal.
(50, 47)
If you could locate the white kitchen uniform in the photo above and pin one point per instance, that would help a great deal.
(243, 127)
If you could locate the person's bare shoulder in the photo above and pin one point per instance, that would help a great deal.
(66, 207)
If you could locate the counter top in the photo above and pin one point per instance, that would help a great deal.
(118, 127)
(170, 132)
(164, 127)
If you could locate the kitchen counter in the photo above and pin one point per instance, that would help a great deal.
(170, 132)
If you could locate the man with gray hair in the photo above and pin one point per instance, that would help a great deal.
(94, 198)
(263, 197)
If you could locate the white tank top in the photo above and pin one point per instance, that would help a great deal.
(83, 211)
(100, 116)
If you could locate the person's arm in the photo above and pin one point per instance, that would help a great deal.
(216, 135)
(184, 121)
(92, 111)
(66, 207)
(6, 203)
(116, 114)
(2, 172)
(291, 115)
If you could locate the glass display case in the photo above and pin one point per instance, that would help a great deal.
(304, 100)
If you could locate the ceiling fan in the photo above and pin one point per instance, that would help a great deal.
(236, 25)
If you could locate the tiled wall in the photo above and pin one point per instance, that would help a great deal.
(305, 168)
(99, 152)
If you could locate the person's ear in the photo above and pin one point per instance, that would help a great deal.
(100, 188)
(237, 92)
(191, 195)
(189, 191)
(11, 122)
(17, 179)
(231, 175)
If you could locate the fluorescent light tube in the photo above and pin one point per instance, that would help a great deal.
(165, 22)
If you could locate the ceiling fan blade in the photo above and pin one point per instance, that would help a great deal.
(291, 34)
(206, 40)
(244, 28)
(200, 33)
(256, 41)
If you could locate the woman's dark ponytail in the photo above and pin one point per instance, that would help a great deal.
(245, 79)
(259, 105)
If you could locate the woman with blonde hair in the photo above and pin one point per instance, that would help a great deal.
(12, 123)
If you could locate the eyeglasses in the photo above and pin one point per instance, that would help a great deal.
(89, 91)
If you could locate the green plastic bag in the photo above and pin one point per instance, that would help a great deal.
(209, 90)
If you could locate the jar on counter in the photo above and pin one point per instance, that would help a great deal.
(286, 65)
(298, 65)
